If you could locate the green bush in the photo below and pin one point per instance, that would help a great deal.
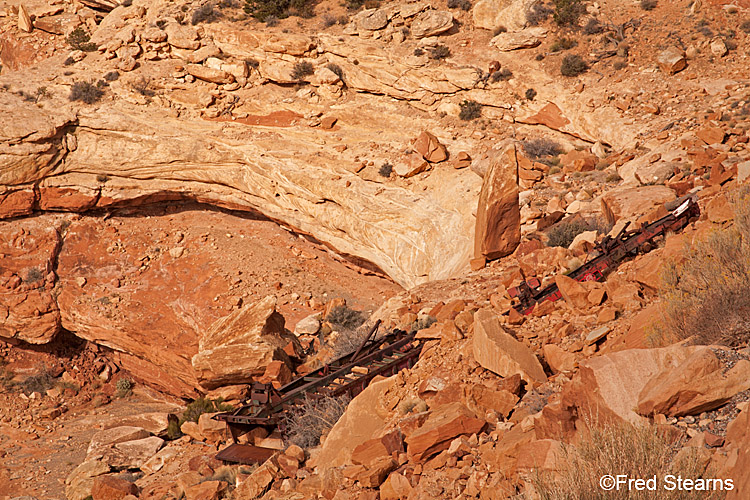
(78, 39)
(573, 65)
(203, 405)
(470, 110)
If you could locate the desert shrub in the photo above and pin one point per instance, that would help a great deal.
(40, 382)
(328, 20)
(306, 423)
(618, 65)
(470, 110)
(422, 323)
(225, 473)
(302, 69)
(573, 65)
(563, 44)
(501, 75)
(112, 76)
(648, 4)
(530, 94)
(336, 69)
(538, 13)
(205, 13)
(706, 296)
(613, 177)
(357, 4)
(270, 11)
(745, 26)
(567, 12)
(173, 429)
(124, 387)
(412, 405)
(418, 51)
(637, 451)
(540, 148)
(593, 27)
(439, 52)
(498, 30)
(564, 232)
(202, 405)
(554, 170)
(143, 86)
(459, 4)
(385, 169)
(33, 275)
(86, 92)
(78, 39)
(345, 318)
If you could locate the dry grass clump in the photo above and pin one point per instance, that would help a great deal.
(305, 424)
(612, 449)
(706, 296)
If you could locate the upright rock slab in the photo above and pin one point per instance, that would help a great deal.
(239, 346)
(498, 227)
(500, 353)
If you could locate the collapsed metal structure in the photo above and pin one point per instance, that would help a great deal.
(350, 374)
(609, 252)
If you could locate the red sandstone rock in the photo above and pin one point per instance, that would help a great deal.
(112, 488)
(574, 292)
(430, 148)
(240, 346)
(696, 385)
(498, 231)
(441, 427)
(206, 490)
(396, 487)
(626, 203)
(500, 353)
(374, 449)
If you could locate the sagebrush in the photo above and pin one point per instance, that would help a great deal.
(86, 92)
(306, 423)
(470, 110)
(706, 296)
(610, 449)
(564, 232)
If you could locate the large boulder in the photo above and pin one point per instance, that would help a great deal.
(502, 354)
(440, 428)
(112, 488)
(78, 484)
(238, 347)
(364, 419)
(498, 226)
(510, 14)
(524, 39)
(431, 22)
(626, 203)
(105, 439)
(698, 384)
(738, 441)
(608, 387)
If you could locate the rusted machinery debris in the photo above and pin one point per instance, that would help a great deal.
(349, 374)
(609, 252)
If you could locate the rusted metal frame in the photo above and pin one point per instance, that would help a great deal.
(614, 250)
(236, 417)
